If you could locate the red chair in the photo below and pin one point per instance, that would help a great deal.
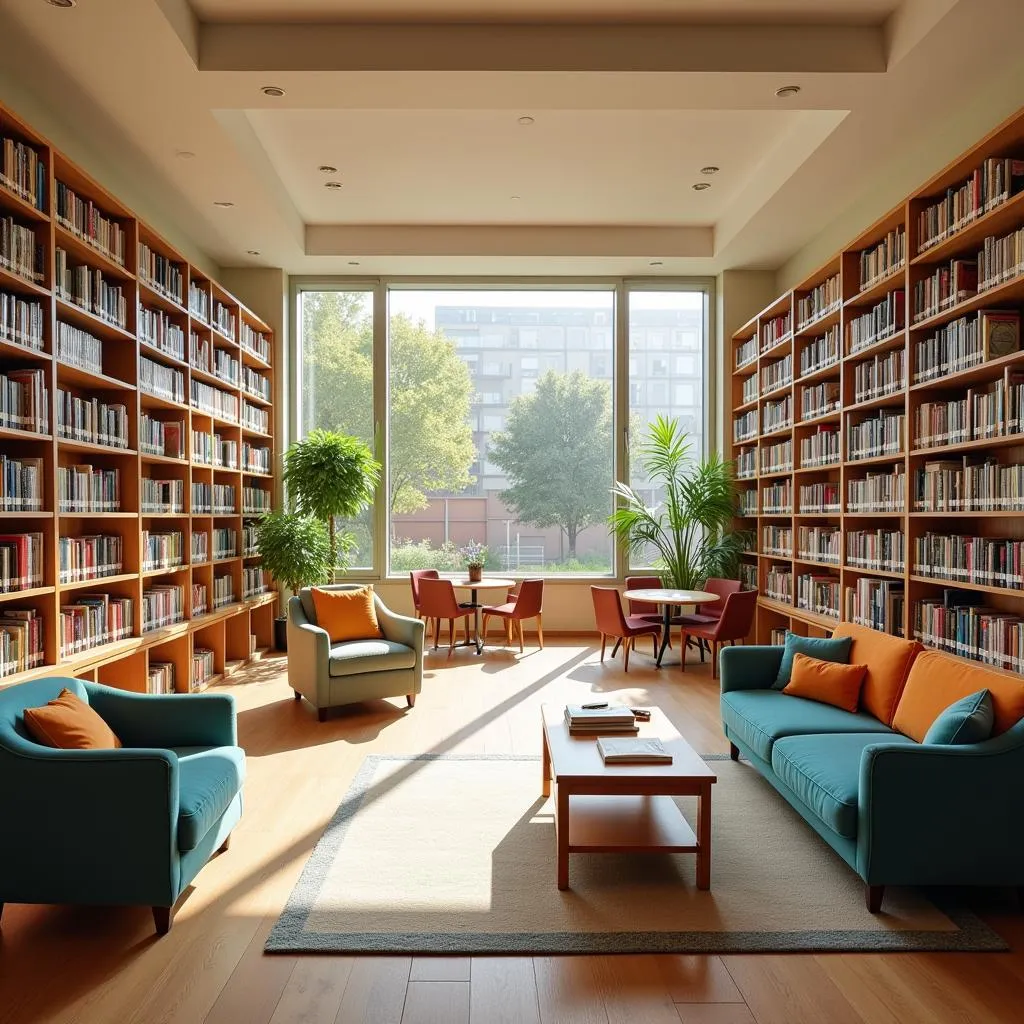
(525, 604)
(625, 628)
(414, 579)
(734, 624)
(437, 602)
(641, 609)
(708, 614)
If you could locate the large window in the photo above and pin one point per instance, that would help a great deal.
(500, 413)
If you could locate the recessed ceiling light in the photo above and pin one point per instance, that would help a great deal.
(62, 4)
(253, 252)
(657, 263)
(327, 169)
(333, 184)
(272, 90)
(709, 170)
(701, 186)
(785, 91)
(526, 119)
(353, 263)
(224, 204)
(184, 154)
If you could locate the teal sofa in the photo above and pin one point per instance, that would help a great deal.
(130, 826)
(897, 811)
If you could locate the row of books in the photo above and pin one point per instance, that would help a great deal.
(777, 540)
(819, 498)
(750, 388)
(819, 543)
(159, 331)
(250, 535)
(86, 488)
(1000, 259)
(21, 484)
(963, 486)
(819, 302)
(777, 498)
(91, 420)
(84, 219)
(20, 252)
(161, 381)
(255, 418)
(256, 384)
(775, 331)
(992, 561)
(224, 319)
(819, 399)
(946, 286)
(967, 342)
(877, 604)
(21, 640)
(960, 624)
(874, 436)
(255, 458)
(214, 450)
(223, 591)
(774, 375)
(746, 353)
(746, 502)
(744, 426)
(93, 620)
(254, 341)
(199, 301)
(255, 500)
(161, 496)
(778, 583)
(818, 593)
(25, 401)
(160, 677)
(79, 348)
(162, 605)
(160, 273)
(213, 401)
(880, 375)
(23, 171)
(202, 667)
(21, 561)
(21, 321)
(882, 321)
(225, 543)
(777, 458)
(748, 575)
(86, 287)
(162, 550)
(200, 605)
(877, 492)
(215, 499)
(161, 437)
(255, 581)
(822, 448)
(746, 463)
(884, 258)
(876, 549)
(89, 557)
(775, 415)
(994, 412)
(820, 352)
(200, 546)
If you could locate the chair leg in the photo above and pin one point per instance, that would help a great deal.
(1, 910)
(626, 645)
(700, 647)
(604, 640)
(519, 627)
(683, 641)
(225, 845)
(451, 637)
(540, 632)
(734, 751)
(410, 699)
(321, 714)
(483, 627)
(437, 632)
(714, 659)
(298, 696)
(654, 644)
(873, 897)
(163, 918)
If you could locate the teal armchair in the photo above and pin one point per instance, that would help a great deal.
(131, 826)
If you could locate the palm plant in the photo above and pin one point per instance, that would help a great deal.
(690, 528)
(330, 475)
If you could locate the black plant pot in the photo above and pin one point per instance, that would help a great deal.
(281, 634)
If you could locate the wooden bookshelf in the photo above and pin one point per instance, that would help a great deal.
(164, 303)
(872, 375)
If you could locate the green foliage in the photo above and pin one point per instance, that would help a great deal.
(295, 549)
(431, 390)
(556, 452)
(690, 528)
(328, 475)
(409, 555)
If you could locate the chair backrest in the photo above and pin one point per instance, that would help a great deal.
(306, 597)
(643, 583)
(608, 611)
(737, 616)
(723, 588)
(529, 599)
(414, 580)
(437, 600)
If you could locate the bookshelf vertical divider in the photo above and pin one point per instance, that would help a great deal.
(925, 538)
(135, 416)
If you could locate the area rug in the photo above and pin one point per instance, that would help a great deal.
(456, 854)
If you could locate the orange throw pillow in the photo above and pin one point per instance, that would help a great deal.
(826, 681)
(347, 614)
(68, 723)
(888, 660)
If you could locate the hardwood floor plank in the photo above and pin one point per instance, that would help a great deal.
(314, 991)
(436, 1002)
(375, 993)
(790, 990)
(503, 990)
(440, 968)
(568, 991)
(633, 989)
(715, 1013)
(698, 979)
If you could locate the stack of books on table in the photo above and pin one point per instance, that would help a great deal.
(612, 719)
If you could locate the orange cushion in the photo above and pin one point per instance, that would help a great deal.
(888, 659)
(937, 680)
(68, 723)
(347, 614)
(826, 681)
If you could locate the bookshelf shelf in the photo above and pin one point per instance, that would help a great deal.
(162, 298)
(885, 257)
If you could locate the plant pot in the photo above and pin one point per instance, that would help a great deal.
(476, 573)
(281, 633)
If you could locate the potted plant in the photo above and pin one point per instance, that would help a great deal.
(297, 551)
(474, 555)
(330, 476)
(690, 529)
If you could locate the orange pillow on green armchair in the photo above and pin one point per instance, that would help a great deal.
(888, 660)
(829, 682)
(347, 614)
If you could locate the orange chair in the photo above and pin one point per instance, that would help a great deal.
(734, 624)
(437, 602)
(414, 580)
(708, 614)
(641, 609)
(624, 628)
(525, 604)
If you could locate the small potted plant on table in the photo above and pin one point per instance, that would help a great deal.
(474, 554)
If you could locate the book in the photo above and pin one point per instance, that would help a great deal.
(603, 730)
(649, 750)
(613, 714)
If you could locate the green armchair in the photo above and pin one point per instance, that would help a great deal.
(131, 826)
(331, 675)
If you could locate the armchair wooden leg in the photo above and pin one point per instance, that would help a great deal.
(734, 751)
(410, 699)
(163, 918)
(540, 632)
(225, 845)
(873, 897)
(626, 645)
(321, 714)
(298, 696)
(714, 659)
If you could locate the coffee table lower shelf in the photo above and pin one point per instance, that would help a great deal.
(630, 824)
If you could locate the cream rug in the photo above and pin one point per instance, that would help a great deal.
(451, 854)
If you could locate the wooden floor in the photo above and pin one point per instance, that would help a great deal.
(106, 965)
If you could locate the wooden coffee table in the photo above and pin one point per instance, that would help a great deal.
(625, 808)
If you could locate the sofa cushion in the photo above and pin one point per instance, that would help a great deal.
(968, 720)
(69, 723)
(827, 682)
(208, 779)
(347, 614)
(760, 717)
(937, 680)
(358, 656)
(824, 771)
(818, 647)
(888, 659)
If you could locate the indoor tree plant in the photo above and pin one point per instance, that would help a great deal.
(296, 550)
(691, 527)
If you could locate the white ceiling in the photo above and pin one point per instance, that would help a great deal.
(422, 123)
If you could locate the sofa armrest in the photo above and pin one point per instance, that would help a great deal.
(309, 653)
(942, 814)
(400, 629)
(749, 668)
(166, 720)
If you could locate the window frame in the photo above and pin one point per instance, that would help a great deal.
(382, 286)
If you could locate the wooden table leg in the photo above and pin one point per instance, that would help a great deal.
(545, 764)
(704, 839)
(562, 837)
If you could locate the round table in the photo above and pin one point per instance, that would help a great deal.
(487, 583)
(669, 598)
